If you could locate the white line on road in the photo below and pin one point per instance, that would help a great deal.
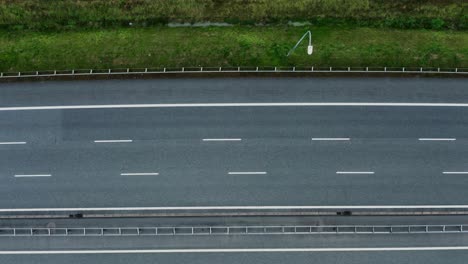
(331, 139)
(32, 175)
(247, 173)
(13, 143)
(354, 172)
(455, 172)
(266, 207)
(140, 174)
(65, 107)
(114, 141)
(437, 139)
(226, 250)
(222, 139)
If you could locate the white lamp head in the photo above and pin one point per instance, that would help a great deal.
(310, 49)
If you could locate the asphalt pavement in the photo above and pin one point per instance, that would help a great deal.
(216, 90)
(198, 151)
(435, 248)
(235, 155)
(426, 257)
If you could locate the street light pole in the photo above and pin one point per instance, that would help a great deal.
(310, 48)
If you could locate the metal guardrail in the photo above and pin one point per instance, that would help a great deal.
(235, 230)
(143, 71)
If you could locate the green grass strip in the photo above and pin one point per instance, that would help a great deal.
(73, 14)
(230, 46)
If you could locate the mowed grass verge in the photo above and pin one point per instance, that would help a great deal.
(230, 46)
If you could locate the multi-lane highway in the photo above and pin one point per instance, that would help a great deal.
(255, 142)
(234, 144)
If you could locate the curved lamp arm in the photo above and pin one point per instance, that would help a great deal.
(310, 48)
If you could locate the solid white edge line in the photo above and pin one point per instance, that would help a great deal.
(330, 139)
(222, 139)
(437, 139)
(227, 250)
(247, 172)
(32, 175)
(267, 207)
(139, 174)
(65, 107)
(355, 172)
(114, 141)
(455, 172)
(13, 143)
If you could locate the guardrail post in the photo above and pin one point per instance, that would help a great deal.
(37, 73)
(192, 230)
(128, 70)
(19, 74)
(461, 228)
(330, 68)
(31, 230)
(55, 72)
(109, 71)
(256, 69)
(420, 69)
(164, 70)
(403, 69)
(312, 68)
(238, 69)
(219, 68)
(73, 71)
(438, 69)
(294, 69)
(367, 69)
(91, 71)
(146, 70)
(385, 69)
(275, 68)
(456, 69)
(1, 74)
(183, 69)
(201, 69)
(349, 68)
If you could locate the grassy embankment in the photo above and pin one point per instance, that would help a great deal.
(232, 46)
(70, 14)
(66, 34)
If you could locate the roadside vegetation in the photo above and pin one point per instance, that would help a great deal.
(230, 46)
(71, 14)
(71, 34)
